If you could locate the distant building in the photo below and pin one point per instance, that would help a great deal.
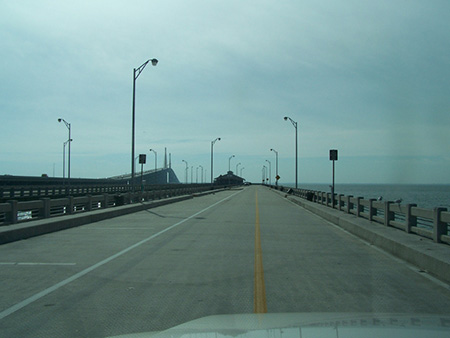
(229, 179)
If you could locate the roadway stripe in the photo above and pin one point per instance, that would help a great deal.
(35, 263)
(80, 274)
(259, 289)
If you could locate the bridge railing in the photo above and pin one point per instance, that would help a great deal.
(16, 211)
(433, 224)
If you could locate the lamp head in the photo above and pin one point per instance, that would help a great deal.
(59, 120)
(285, 118)
(219, 138)
(154, 62)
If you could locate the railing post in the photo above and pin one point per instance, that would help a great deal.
(89, 203)
(69, 209)
(328, 199)
(45, 212)
(349, 204)
(410, 221)
(388, 215)
(105, 201)
(372, 210)
(358, 206)
(12, 215)
(439, 228)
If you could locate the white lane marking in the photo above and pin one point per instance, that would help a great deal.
(135, 228)
(35, 263)
(55, 287)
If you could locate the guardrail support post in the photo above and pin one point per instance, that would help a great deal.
(439, 228)
(45, 212)
(89, 203)
(105, 201)
(349, 204)
(358, 206)
(372, 210)
(388, 215)
(11, 217)
(69, 209)
(410, 221)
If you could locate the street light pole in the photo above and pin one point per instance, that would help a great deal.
(202, 173)
(237, 165)
(212, 163)
(136, 73)
(296, 148)
(186, 171)
(156, 158)
(270, 172)
(70, 141)
(229, 162)
(276, 159)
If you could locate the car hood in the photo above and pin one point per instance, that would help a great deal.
(308, 325)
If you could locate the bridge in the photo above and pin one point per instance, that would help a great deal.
(28, 187)
(252, 249)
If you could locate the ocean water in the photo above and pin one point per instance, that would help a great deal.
(426, 196)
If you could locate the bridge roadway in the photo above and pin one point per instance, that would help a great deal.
(157, 268)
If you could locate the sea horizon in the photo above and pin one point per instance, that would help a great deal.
(427, 196)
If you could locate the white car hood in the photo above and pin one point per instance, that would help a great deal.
(309, 325)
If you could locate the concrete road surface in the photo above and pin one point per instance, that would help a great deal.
(238, 251)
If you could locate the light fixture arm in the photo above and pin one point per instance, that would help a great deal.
(138, 71)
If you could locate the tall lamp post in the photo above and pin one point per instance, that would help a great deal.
(276, 165)
(212, 163)
(237, 165)
(136, 73)
(229, 162)
(270, 172)
(156, 158)
(70, 141)
(296, 148)
(64, 158)
(186, 173)
(202, 173)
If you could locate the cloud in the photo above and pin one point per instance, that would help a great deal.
(369, 78)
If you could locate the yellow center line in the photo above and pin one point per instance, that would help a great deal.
(259, 291)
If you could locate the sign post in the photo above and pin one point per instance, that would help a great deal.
(333, 157)
(142, 160)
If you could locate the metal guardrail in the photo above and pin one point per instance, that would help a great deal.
(15, 211)
(433, 224)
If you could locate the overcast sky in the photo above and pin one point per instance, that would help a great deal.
(369, 78)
